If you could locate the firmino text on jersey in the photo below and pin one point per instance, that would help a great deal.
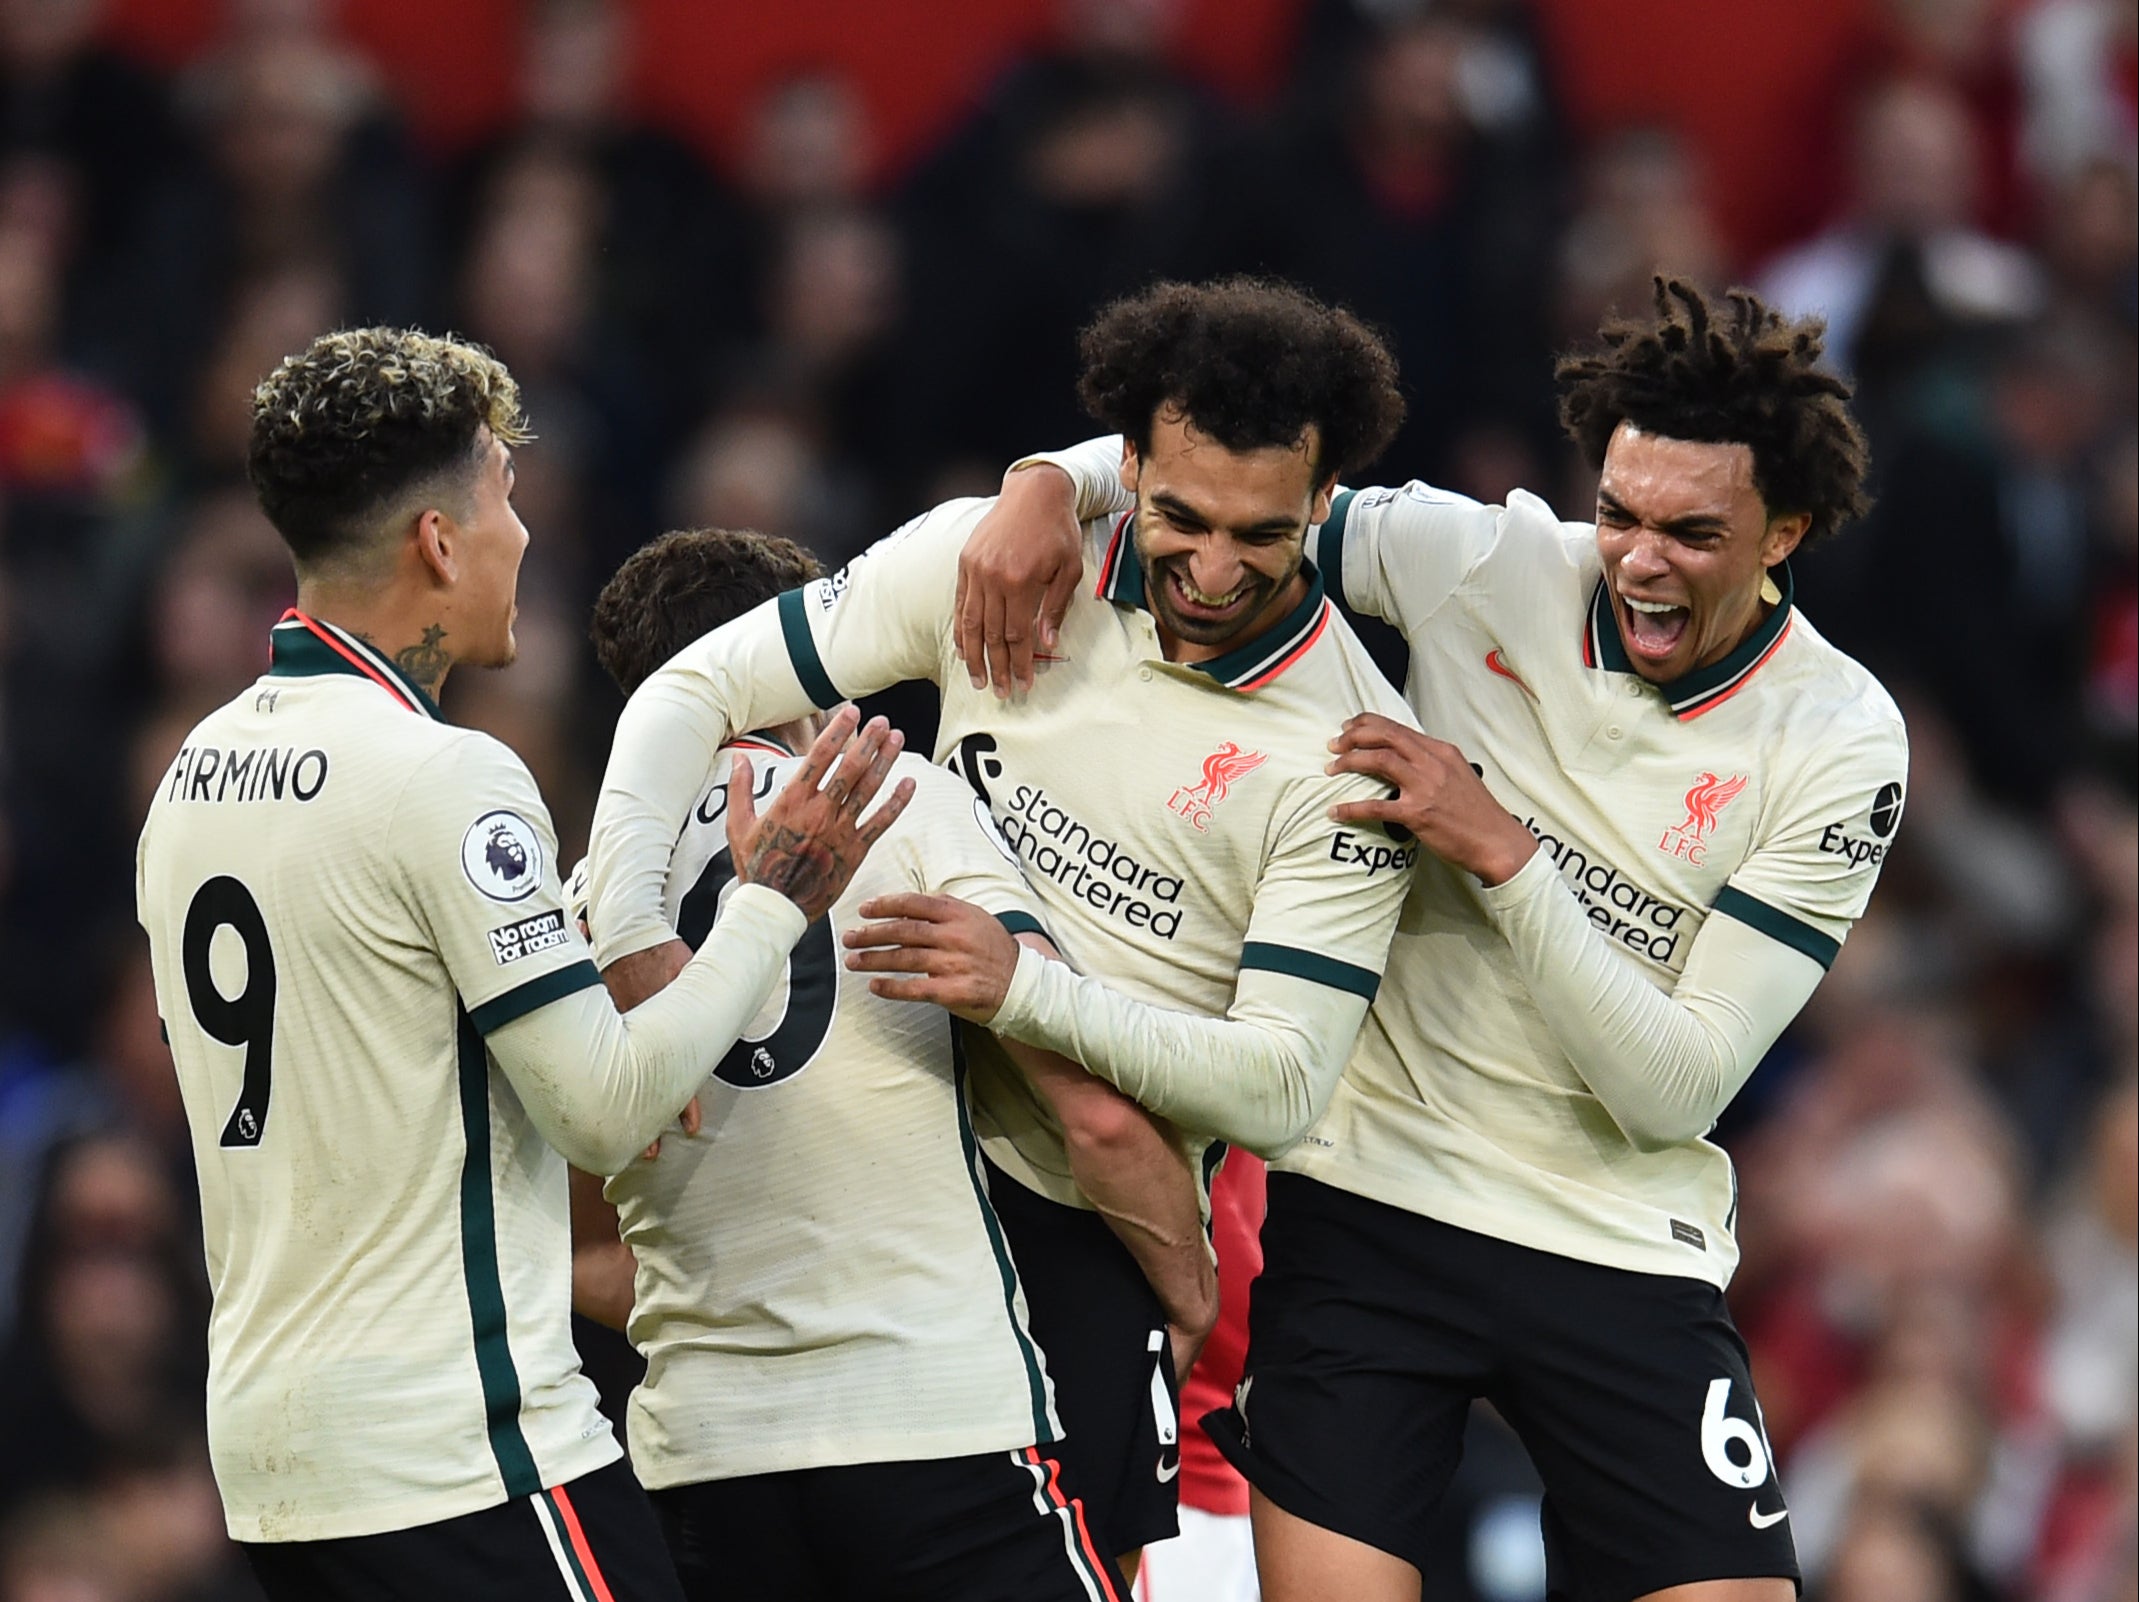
(258, 773)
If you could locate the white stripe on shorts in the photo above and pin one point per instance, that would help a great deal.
(552, 1534)
(1068, 1520)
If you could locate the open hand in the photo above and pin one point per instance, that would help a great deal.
(812, 837)
(1440, 797)
(945, 951)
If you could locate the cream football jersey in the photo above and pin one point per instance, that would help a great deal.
(1172, 819)
(821, 1278)
(1764, 789)
(343, 894)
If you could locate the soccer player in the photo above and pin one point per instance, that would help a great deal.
(842, 1399)
(1163, 786)
(386, 1031)
(1656, 800)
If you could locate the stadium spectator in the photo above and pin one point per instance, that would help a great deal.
(101, 118)
(668, 264)
(106, 1357)
(1905, 265)
(1431, 208)
(299, 164)
(1093, 166)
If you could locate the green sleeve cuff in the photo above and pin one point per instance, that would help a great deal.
(1310, 965)
(1778, 925)
(540, 991)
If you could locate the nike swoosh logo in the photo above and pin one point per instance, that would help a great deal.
(1760, 1520)
(1168, 1470)
(1495, 663)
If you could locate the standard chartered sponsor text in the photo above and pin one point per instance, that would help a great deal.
(1095, 870)
(1623, 910)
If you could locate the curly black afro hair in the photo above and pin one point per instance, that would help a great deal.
(1739, 373)
(1251, 362)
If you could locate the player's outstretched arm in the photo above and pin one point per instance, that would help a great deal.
(599, 1085)
(1664, 1063)
(883, 618)
(1257, 1078)
(660, 761)
(1132, 1169)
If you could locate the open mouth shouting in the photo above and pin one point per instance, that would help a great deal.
(1652, 630)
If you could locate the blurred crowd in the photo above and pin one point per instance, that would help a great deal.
(1940, 1163)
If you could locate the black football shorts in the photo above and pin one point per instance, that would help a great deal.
(592, 1539)
(958, 1529)
(1373, 1329)
(1104, 1335)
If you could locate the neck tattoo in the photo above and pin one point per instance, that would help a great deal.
(427, 661)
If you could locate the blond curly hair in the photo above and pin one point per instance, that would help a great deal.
(348, 428)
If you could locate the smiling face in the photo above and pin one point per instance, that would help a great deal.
(1220, 534)
(1686, 541)
(488, 544)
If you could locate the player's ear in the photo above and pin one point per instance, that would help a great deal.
(1128, 464)
(1782, 537)
(1320, 511)
(438, 544)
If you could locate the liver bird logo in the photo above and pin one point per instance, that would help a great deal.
(1708, 797)
(1222, 769)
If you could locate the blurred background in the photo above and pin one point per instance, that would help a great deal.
(811, 267)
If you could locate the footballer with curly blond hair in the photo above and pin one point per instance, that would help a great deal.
(387, 1032)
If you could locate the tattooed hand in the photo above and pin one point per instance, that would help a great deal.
(811, 838)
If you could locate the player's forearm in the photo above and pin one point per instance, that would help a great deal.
(600, 1085)
(1138, 1178)
(604, 1278)
(1094, 467)
(1257, 1078)
(661, 760)
(1664, 1063)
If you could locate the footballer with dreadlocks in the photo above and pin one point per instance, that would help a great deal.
(1655, 799)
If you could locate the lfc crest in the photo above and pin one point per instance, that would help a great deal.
(1222, 769)
(1708, 797)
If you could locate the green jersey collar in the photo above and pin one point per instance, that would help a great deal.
(1706, 688)
(1248, 667)
(304, 647)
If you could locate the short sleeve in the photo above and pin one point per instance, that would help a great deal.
(1327, 902)
(955, 849)
(885, 616)
(478, 859)
(1399, 554)
(1812, 873)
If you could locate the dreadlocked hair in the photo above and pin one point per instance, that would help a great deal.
(1738, 373)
